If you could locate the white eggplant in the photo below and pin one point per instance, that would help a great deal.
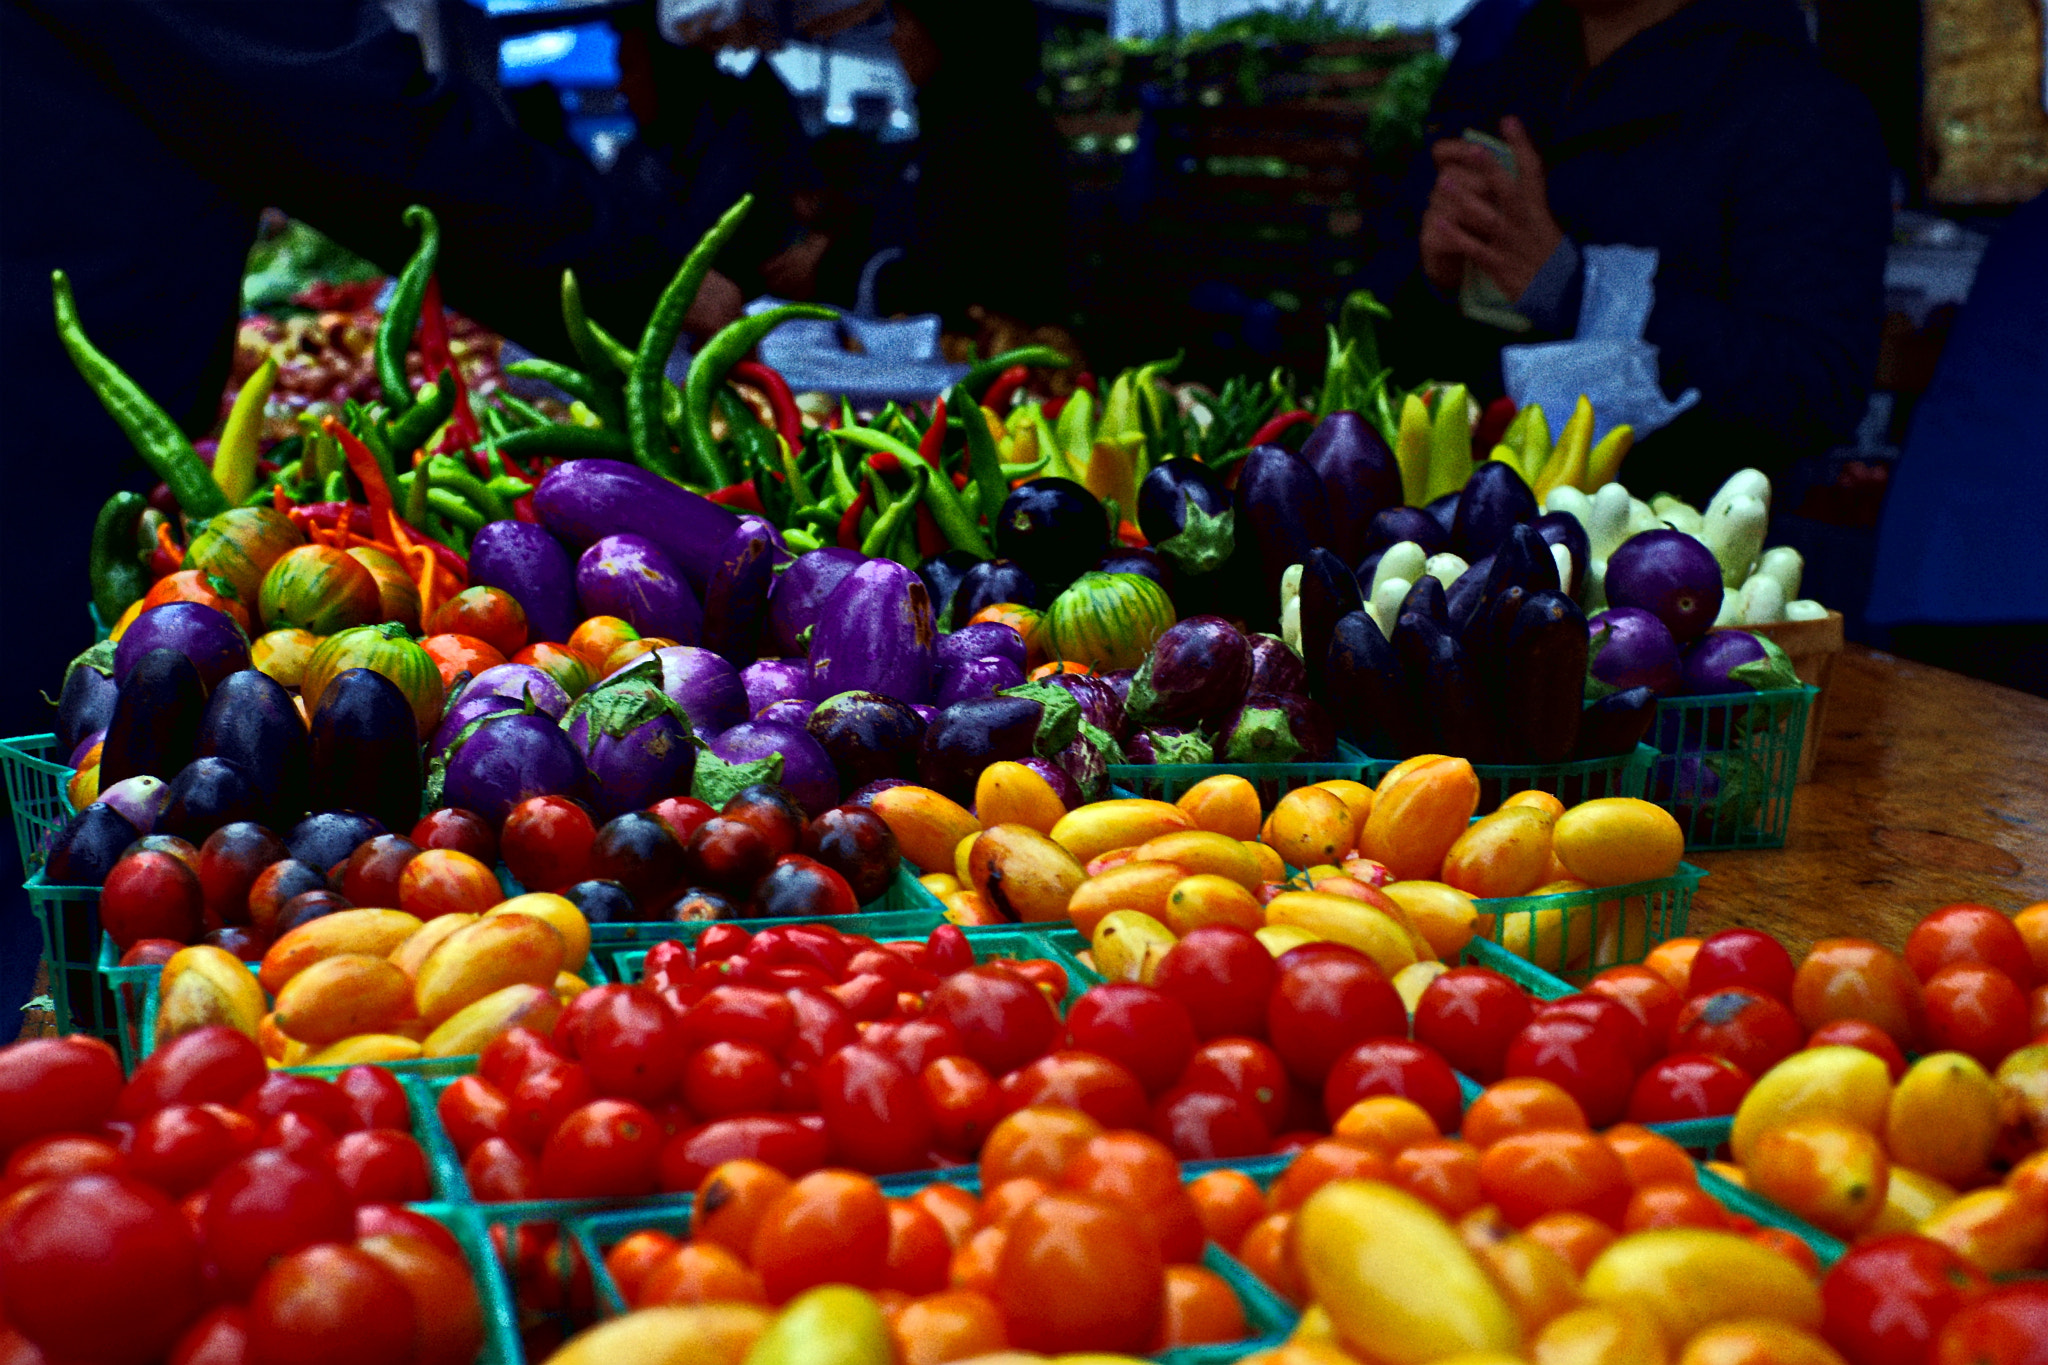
(1445, 568)
(1744, 483)
(1385, 607)
(1805, 609)
(1761, 601)
(1783, 563)
(1609, 526)
(1735, 533)
(1676, 513)
(1404, 561)
(1290, 623)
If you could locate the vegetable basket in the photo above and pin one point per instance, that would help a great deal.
(1573, 934)
(36, 774)
(1584, 779)
(1170, 781)
(1727, 765)
(80, 997)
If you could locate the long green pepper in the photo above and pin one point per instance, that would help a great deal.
(402, 318)
(644, 380)
(708, 369)
(116, 571)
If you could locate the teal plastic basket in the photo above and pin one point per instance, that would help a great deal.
(82, 1000)
(1706, 1140)
(1727, 766)
(1582, 779)
(1170, 781)
(36, 774)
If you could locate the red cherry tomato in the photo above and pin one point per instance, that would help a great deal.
(546, 842)
(1967, 932)
(1395, 1066)
(1003, 1021)
(741, 1014)
(961, 1099)
(1589, 1065)
(501, 1172)
(1222, 976)
(548, 1093)
(381, 1167)
(1244, 1069)
(267, 1205)
(822, 1026)
(2007, 1325)
(682, 814)
(793, 1145)
(319, 1100)
(219, 1338)
(1866, 1035)
(215, 1064)
(608, 1148)
(726, 1078)
(1104, 1090)
(1144, 1029)
(1687, 1085)
(182, 1147)
(1324, 1002)
(1203, 1124)
(632, 1046)
(1742, 957)
(1609, 1016)
(915, 1043)
(376, 1219)
(472, 1109)
(1978, 1010)
(874, 1111)
(332, 1305)
(1888, 1298)
(1646, 995)
(513, 1053)
(463, 831)
(1750, 1029)
(1470, 1015)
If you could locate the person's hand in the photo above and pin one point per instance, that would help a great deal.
(1481, 212)
(717, 303)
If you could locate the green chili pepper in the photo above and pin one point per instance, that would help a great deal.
(117, 577)
(417, 424)
(800, 540)
(335, 487)
(446, 473)
(955, 522)
(984, 461)
(506, 486)
(156, 437)
(986, 372)
(891, 524)
(760, 453)
(371, 433)
(513, 403)
(601, 399)
(799, 486)
(644, 379)
(452, 505)
(707, 373)
(563, 441)
(291, 472)
(416, 504)
(595, 347)
(402, 318)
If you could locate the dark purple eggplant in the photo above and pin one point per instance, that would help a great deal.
(364, 750)
(524, 560)
(583, 501)
(1730, 661)
(1329, 592)
(1485, 641)
(1426, 598)
(1141, 560)
(942, 575)
(462, 715)
(85, 850)
(326, 837)
(1616, 723)
(1445, 690)
(1170, 496)
(1634, 649)
(1445, 509)
(87, 702)
(800, 590)
(632, 578)
(989, 582)
(1275, 667)
(977, 641)
(209, 638)
(1366, 692)
(1101, 705)
(701, 682)
(507, 758)
(1057, 778)
(967, 737)
(251, 722)
(1562, 528)
(1277, 727)
(1523, 560)
(1360, 478)
(1669, 574)
(636, 746)
(736, 600)
(519, 682)
(1118, 681)
(1466, 592)
(983, 677)
(601, 901)
(1397, 524)
(155, 727)
(1545, 670)
(1169, 744)
(867, 736)
(1495, 498)
(209, 793)
(789, 711)
(865, 796)
(1196, 671)
(875, 634)
(1281, 515)
(1054, 529)
(641, 853)
(768, 681)
(800, 764)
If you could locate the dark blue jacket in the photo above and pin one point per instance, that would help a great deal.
(1718, 138)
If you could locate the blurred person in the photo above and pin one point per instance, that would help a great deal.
(1962, 553)
(1707, 129)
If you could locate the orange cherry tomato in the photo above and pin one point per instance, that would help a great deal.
(1645, 993)
(196, 585)
(1317, 1164)
(920, 1255)
(596, 637)
(1201, 1309)
(731, 1201)
(1853, 978)
(1228, 1202)
(954, 1325)
(488, 614)
(629, 1261)
(1078, 1273)
(1651, 1158)
(1011, 1198)
(1972, 933)
(1578, 1237)
(1672, 960)
(1443, 1173)
(1521, 1104)
(1793, 1248)
(1265, 1253)
(1037, 1140)
(455, 655)
(829, 1227)
(1389, 1123)
(1531, 1174)
(978, 1259)
(1672, 1206)
(1137, 1173)
(700, 1272)
(955, 1209)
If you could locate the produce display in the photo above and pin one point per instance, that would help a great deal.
(698, 872)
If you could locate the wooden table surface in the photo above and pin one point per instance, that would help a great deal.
(1930, 788)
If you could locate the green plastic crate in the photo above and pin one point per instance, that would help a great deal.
(36, 774)
(1583, 779)
(1727, 766)
(1169, 781)
(1574, 934)
(83, 1001)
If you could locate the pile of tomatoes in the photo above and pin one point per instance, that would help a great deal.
(208, 1209)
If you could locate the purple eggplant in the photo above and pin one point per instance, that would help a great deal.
(1085, 761)
(978, 640)
(87, 702)
(1495, 499)
(326, 837)
(925, 712)
(364, 750)
(519, 683)
(1169, 744)
(1466, 592)
(1359, 475)
(968, 736)
(464, 714)
(1196, 671)
(206, 794)
(1426, 598)
(1054, 529)
(524, 560)
(1176, 492)
(1277, 727)
(630, 577)
(1446, 691)
(1275, 667)
(1397, 524)
(983, 677)
(736, 601)
(1612, 726)
(1670, 575)
(1101, 704)
(779, 553)
(210, 639)
(801, 766)
(875, 634)
(1445, 509)
(1725, 661)
(1281, 514)
(768, 681)
(789, 711)
(1329, 592)
(155, 726)
(507, 758)
(141, 799)
(1562, 528)
(1544, 666)
(583, 501)
(865, 796)
(703, 684)
(1141, 560)
(867, 736)
(1055, 777)
(251, 721)
(987, 583)
(1633, 649)
(942, 575)
(1367, 692)
(636, 746)
(1119, 681)
(85, 850)
(800, 590)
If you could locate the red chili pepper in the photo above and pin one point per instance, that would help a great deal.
(849, 525)
(741, 495)
(435, 355)
(328, 514)
(789, 420)
(934, 439)
(930, 539)
(523, 510)
(1274, 426)
(1085, 379)
(1005, 388)
(885, 462)
(1055, 408)
(368, 472)
(959, 479)
(1493, 424)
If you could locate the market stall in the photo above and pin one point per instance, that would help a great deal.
(1294, 870)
